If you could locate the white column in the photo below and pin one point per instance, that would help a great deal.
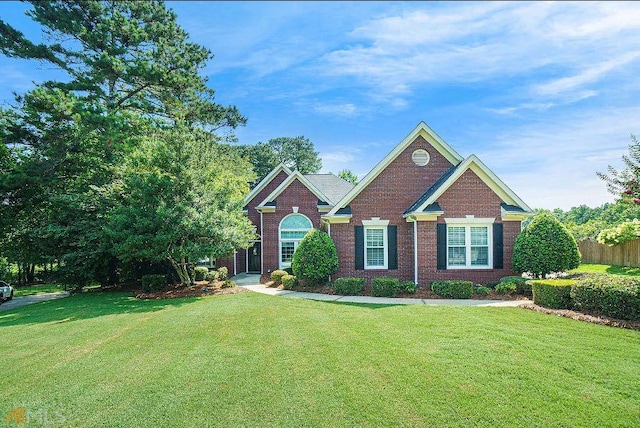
(235, 270)
(261, 246)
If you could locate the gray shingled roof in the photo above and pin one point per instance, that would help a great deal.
(333, 187)
(426, 195)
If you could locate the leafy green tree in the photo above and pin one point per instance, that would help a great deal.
(624, 232)
(130, 69)
(295, 153)
(348, 175)
(180, 200)
(625, 183)
(316, 257)
(545, 246)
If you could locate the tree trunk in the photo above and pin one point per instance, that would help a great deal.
(182, 270)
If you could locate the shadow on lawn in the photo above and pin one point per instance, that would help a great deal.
(363, 305)
(84, 306)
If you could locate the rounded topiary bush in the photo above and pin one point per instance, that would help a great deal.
(289, 282)
(545, 246)
(315, 258)
(277, 275)
(200, 273)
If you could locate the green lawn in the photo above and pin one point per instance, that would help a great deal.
(616, 270)
(29, 290)
(254, 360)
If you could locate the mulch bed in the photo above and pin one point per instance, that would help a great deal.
(200, 289)
(579, 316)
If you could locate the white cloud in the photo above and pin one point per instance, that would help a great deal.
(553, 164)
(471, 42)
(344, 109)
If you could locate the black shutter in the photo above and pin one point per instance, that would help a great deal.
(392, 241)
(442, 246)
(359, 234)
(498, 247)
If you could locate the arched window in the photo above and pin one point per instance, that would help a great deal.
(292, 229)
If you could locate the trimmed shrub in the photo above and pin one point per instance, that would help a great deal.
(554, 293)
(521, 284)
(384, 287)
(348, 286)
(482, 291)
(289, 282)
(492, 284)
(154, 282)
(223, 273)
(608, 295)
(228, 284)
(211, 276)
(545, 246)
(505, 288)
(200, 273)
(453, 289)
(315, 258)
(407, 287)
(276, 276)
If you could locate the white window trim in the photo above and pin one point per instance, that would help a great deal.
(296, 242)
(385, 248)
(468, 225)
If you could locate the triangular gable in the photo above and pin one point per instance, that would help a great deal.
(484, 173)
(265, 181)
(282, 187)
(422, 130)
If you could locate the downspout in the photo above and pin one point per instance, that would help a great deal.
(261, 245)
(415, 251)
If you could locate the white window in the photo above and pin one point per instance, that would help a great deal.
(469, 246)
(292, 229)
(375, 247)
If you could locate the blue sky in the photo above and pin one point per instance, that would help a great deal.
(546, 94)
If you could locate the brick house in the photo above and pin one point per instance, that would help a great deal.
(423, 213)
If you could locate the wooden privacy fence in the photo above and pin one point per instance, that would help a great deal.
(626, 254)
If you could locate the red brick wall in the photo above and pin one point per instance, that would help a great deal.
(393, 191)
(296, 195)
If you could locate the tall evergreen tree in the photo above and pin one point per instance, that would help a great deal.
(130, 69)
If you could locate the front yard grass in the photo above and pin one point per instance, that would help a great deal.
(107, 359)
(30, 290)
(612, 269)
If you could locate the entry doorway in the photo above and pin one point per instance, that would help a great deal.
(254, 262)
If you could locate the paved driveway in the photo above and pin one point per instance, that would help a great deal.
(27, 300)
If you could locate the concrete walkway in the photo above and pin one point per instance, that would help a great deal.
(252, 282)
(27, 300)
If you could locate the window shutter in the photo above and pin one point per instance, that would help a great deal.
(392, 241)
(442, 246)
(359, 234)
(498, 247)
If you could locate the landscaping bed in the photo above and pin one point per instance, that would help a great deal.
(200, 289)
(579, 316)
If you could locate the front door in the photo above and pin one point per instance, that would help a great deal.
(254, 258)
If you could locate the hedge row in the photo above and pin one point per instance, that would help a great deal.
(608, 295)
(453, 289)
(554, 294)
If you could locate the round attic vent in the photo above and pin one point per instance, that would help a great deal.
(420, 157)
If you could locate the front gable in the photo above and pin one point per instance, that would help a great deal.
(400, 175)
(302, 186)
(474, 178)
